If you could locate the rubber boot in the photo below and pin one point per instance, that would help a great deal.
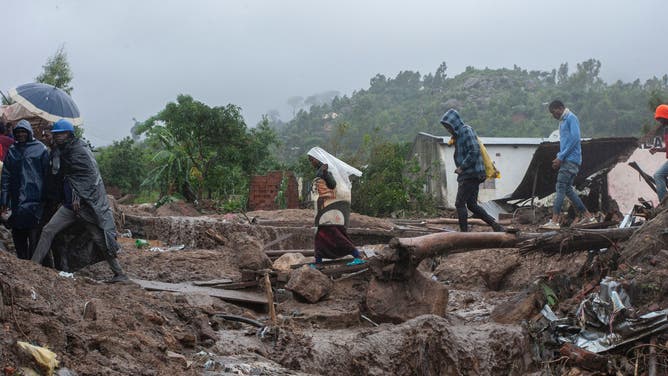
(119, 274)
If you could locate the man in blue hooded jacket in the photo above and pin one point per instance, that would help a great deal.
(470, 171)
(23, 188)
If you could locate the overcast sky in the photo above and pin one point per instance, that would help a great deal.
(130, 58)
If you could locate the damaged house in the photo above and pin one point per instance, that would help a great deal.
(525, 165)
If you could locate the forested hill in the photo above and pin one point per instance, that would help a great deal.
(496, 102)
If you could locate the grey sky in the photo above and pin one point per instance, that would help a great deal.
(130, 57)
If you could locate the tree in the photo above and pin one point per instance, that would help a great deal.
(390, 183)
(57, 71)
(202, 149)
(123, 164)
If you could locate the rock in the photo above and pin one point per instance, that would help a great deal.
(309, 284)
(495, 276)
(398, 301)
(583, 358)
(65, 372)
(521, 306)
(188, 340)
(205, 332)
(250, 252)
(90, 311)
(285, 262)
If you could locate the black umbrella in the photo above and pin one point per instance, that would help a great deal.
(47, 102)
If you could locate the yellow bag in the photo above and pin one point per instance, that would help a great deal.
(490, 169)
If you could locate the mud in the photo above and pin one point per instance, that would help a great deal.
(489, 295)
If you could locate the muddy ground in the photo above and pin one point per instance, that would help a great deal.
(96, 328)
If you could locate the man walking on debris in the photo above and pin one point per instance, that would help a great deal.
(470, 171)
(23, 188)
(660, 176)
(84, 198)
(567, 162)
(331, 188)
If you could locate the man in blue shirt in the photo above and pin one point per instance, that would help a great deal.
(568, 162)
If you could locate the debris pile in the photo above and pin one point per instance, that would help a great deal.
(231, 295)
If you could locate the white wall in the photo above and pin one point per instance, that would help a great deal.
(511, 160)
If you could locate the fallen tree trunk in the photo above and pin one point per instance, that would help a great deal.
(409, 252)
(576, 240)
(421, 247)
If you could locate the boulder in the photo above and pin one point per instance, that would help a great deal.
(285, 262)
(250, 251)
(309, 284)
(399, 301)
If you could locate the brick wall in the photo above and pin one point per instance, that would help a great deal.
(264, 190)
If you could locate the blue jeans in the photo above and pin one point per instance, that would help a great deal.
(565, 178)
(660, 177)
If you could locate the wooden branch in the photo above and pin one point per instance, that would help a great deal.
(471, 221)
(569, 240)
(270, 299)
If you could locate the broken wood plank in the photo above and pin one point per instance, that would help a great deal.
(212, 282)
(215, 236)
(335, 272)
(648, 179)
(188, 288)
(270, 298)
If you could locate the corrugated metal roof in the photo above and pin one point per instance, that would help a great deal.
(597, 154)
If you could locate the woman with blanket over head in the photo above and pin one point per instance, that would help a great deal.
(331, 192)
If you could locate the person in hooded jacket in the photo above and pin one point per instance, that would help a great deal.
(470, 171)
(23, 188)
(84, 198)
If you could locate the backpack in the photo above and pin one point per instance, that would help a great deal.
(490, 169)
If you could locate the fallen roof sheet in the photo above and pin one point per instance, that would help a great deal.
(597, 154)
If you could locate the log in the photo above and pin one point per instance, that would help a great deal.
(414, 250)
(409, 252)
(471, 221)
(570, 240)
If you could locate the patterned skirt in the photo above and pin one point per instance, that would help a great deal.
(332, 242)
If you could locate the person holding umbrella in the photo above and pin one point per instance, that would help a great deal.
(23, 188)
(84, 197)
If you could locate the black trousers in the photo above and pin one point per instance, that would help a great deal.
(467, 197)
(60, 221)
(25, 242)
